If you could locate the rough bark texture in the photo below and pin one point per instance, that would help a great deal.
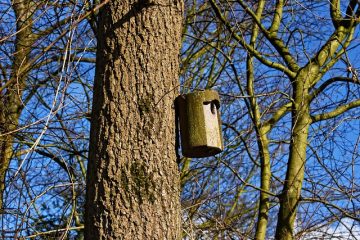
(133, 181)
(11, 104)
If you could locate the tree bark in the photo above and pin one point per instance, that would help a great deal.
(133, 185)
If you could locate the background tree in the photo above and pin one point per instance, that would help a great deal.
(290, 73)
(13, 84)
(45, 93)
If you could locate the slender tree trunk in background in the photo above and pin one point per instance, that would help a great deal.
(11, 103)
(133, 189)
(291, 193)
(261, 134)
(263, 213)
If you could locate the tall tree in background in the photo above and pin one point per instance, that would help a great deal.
(43, 144)
(12, 88)
(132, 180)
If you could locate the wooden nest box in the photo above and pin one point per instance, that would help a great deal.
(200, 123)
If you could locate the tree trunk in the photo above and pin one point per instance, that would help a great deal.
(11, 102)
(133, 181)
(263, 213)
(291, 193)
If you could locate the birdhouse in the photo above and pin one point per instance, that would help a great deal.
(200, 123)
